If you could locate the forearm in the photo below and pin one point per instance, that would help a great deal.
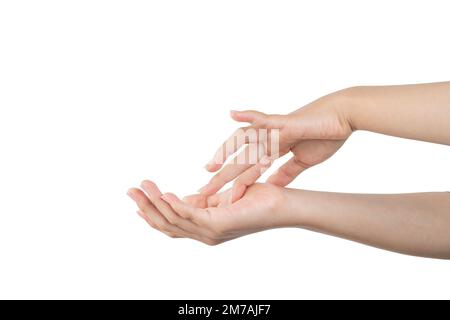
(416, 224)
(420, 112)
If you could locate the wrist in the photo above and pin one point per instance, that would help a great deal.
(292, 208)
(347, 102)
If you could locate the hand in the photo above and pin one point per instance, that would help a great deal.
(365, 218)
(211, 219)
(312, 133)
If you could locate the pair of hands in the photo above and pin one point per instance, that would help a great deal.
(312, 133)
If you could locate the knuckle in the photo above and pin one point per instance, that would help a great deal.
(301, 164)
(182, 215)
(198, 219)
(163, 227)
(173, 220)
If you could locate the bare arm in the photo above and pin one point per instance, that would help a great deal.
(316, 131)
(418, 111)
(415, 224)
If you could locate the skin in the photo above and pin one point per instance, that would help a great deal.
(415, 224)
(316, 131)
(312, 134)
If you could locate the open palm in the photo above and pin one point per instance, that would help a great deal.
(210, 219)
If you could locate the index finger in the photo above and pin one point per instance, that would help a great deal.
(249, 177)
(239, 138)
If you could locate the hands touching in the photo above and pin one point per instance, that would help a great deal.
(415, 224)
(315, 132)
(312, 133)
(211, 219)
(418, 224)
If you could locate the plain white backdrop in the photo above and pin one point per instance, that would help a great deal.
(97, 95)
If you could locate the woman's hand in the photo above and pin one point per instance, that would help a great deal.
(312, 133)
(315, 132)
(211, 219)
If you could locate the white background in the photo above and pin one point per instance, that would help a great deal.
(97, 95)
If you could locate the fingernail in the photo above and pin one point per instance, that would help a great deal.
(129, 193)
(165, 197)
(209, 164)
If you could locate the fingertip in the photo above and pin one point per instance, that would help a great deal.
(276, 180)
(132, 192)
(203, 190)
(213, 200)
(271, 178)
(148, 183)
(212, 166)
(237, 192)
(235, 115)
(195, 200)
(151, 188)
(208, 190)
(169, 197)
(246, 116)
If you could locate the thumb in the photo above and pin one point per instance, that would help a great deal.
(258, 119)
(249, 116)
